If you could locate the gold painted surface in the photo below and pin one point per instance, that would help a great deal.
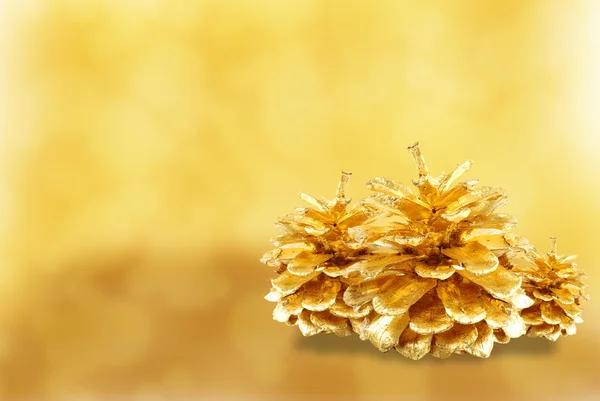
(146, 148)
(373, 269)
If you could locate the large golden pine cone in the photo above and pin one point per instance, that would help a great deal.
(311, 257)
(437, 278)
(555, 283)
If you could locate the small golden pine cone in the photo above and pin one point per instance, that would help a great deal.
(556, 284)
(437, 277)
(310, 259)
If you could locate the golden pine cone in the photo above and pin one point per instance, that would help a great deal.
(555, 283)
(438, 275)
(432, 272)
(311, 257)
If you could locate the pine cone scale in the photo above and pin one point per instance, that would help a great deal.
(500, 283)
(440, 272)
(384, 331)
(306, 262)
(461, 302)
(414, 345)
(287, 283)
(483, 345)
(428, 315)
(497, 313)
(401, 293)
(458, 337)
(476, 258)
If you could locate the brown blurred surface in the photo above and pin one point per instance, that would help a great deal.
(148, 146)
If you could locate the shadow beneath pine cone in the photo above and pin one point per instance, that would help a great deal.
(329, 344)
(526, 345)
(352, 345)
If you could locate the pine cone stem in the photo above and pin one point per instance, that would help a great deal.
(419, 159)
(553, 245)
(342, 185)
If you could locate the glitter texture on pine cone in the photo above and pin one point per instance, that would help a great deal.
(311, 257)
(455, 292)
(430, 271)
(555, 283)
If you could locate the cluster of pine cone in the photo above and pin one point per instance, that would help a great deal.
(435, 271)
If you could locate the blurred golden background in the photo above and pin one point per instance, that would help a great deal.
(147, 147)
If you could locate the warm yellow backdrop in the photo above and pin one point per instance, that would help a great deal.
(146, 147)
